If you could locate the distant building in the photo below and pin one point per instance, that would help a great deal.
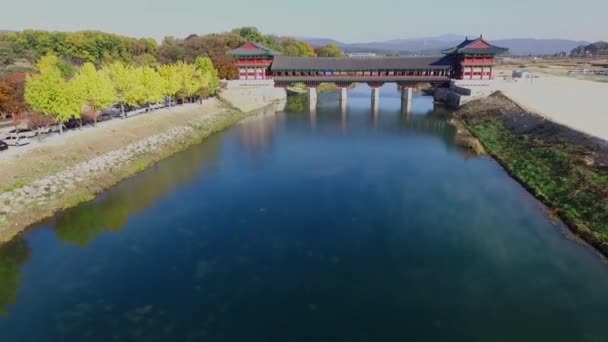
(525, 74)
(361, 54)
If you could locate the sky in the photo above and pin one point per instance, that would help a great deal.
(343, 20)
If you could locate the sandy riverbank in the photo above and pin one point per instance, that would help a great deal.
(578, 104)
(66, 170)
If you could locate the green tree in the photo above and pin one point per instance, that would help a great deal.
(252, 34)
(7, 54)
(50, 94)
(296, 48)
(209, 74)
(331, 50)
(95, 88)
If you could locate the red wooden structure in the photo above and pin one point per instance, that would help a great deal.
(472, 59)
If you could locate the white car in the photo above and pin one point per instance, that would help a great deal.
(23, 132)
(17, 140)
(52, 129)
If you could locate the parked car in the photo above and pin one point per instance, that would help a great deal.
(52, 129)
(104, 116)
(156, 106)
(17, 140)
(73, 123)
(112, 111)
(3, 146)
(23, 131)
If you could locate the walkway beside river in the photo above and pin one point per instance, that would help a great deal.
(578, 104)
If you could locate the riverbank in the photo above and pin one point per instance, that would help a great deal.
(73, 168)
(564, 168)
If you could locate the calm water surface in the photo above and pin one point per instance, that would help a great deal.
(292, 227)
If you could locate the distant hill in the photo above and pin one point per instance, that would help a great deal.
(595, 49)
(434, 45)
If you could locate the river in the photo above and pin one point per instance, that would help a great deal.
(332, 226)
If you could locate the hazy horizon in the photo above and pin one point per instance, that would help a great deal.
(339, 20)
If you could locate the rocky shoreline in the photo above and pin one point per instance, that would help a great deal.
(30, 203)
(565, 169)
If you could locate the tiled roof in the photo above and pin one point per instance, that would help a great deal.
(253, 49)
(475, 46)
(283, 63)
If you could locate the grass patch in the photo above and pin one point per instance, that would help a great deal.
(14, 186)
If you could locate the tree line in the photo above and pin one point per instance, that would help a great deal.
(78, 53)
(75, 47)
(55, 98)
(594, 49)
(216, 45)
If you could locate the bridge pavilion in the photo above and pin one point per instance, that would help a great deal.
(473, 59)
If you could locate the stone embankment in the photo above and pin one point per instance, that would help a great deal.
(22, 204)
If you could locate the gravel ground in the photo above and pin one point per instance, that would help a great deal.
(578, 104)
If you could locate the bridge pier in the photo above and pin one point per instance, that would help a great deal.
(343, 95)
(312, 98)
(343, 98)
(375, 98)
(406, 100)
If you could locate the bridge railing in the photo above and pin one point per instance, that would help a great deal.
(372, 78)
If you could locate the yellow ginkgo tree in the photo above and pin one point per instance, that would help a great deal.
(95, 90)
(50, 94)
(152, 86)
(171, 80)
(126, 82)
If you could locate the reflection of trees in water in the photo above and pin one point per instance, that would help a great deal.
(297, 104)
(257, 132)
(110, 212)
(430, 124)
(12, 256)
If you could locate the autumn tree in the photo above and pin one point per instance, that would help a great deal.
(12, 94)
(95, 89)
(213, 46)
(171, 50)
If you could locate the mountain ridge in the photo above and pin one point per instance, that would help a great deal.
(431, 45)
